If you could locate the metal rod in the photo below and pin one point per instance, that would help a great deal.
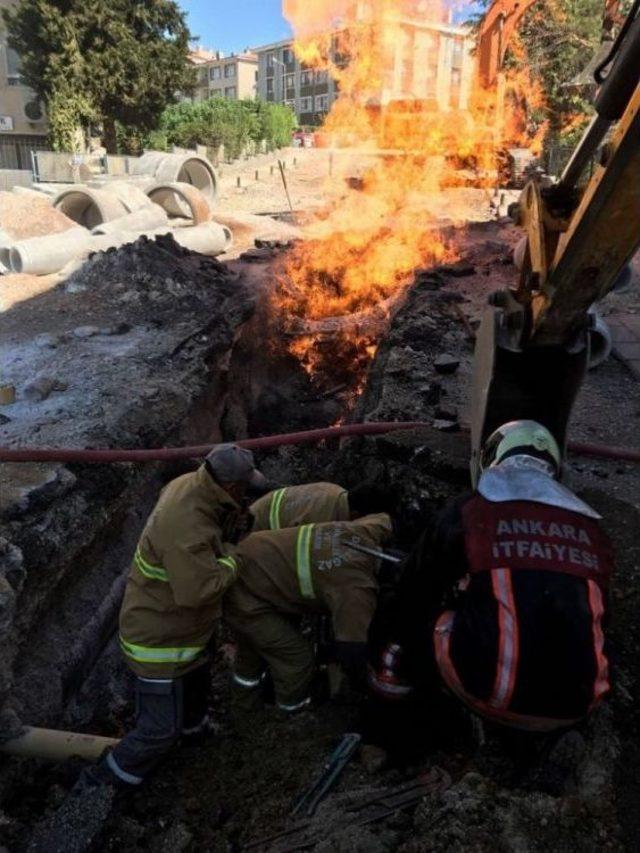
(284, 181)
(374, 552)
(585, 151)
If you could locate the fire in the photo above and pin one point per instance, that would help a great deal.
(403, 136)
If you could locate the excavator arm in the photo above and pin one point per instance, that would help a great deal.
(533, 344)
(501, 22)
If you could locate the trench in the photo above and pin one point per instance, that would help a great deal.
(240, 788)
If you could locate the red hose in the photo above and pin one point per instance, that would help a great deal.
(8, 454)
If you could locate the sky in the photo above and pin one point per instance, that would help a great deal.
(233, 25)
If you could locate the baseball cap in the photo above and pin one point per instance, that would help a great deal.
(232, 464)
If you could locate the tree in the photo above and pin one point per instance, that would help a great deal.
(117, 61)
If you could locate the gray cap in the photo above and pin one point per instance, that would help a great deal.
(232, 464)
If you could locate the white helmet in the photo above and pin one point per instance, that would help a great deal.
(521, 438)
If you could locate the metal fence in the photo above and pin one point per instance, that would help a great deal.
(16, 150)
(10, 178)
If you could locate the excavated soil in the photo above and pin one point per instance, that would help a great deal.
(496, 793)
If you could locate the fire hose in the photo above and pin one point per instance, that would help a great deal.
(165, 454)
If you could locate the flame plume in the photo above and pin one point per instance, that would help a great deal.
(361, 252)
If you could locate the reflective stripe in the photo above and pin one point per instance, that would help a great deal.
(230, 563)
(274, 512)
(596, 605)
(442, 643)
(297, 707)
(247, 682)
(388, 688)
(303, 561)
(509, 646)
(149, 654)
(156, 573)
(115, 768)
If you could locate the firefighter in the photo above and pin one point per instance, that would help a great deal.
(183, 564)
(286, 574)
(318, 502)
(505, 603)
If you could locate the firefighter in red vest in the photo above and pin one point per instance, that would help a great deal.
(504, 602)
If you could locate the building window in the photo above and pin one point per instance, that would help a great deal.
(13, 67)
(456, 88)
(306, 78)
(229, 71)
(270, 86)
(290, 81)
(270, 58)
(230, 92)
(306, 105)
(214, 73)
(287, 56)
(322, 103)
(322, 77)
(457, 54)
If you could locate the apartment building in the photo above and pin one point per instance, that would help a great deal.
(427, 61)
(23, 123)
(234, 76)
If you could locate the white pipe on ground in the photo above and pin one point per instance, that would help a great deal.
(208, 239)
(183, 168)
(45, 255)
(88, 206)
(181, 200)
(150, 217)
(53, 745)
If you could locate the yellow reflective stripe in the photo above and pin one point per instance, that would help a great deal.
(156, 573)
(230, 563)
(274, 512)
(151, 654)
(303, 561)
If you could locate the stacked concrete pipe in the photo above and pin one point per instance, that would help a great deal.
(179, 168)
(47, 255)
(181, 201)
(92, 206)
(147, 218)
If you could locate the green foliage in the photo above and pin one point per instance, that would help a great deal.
(67, 112)
(561, 37)
(125, 59)
(234, 124)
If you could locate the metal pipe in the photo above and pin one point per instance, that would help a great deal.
(54, 745)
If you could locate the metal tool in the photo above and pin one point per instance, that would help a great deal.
(310, 800)
(374, 552)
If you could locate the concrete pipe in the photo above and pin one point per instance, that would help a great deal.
(601, 342)
(131, 194)
(45, 255)
(181, 200)
(182, 168)
(147, 218)
(88, 206)
(208, 239)
(53, 745)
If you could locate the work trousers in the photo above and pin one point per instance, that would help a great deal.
(267, 640)
(166, 710)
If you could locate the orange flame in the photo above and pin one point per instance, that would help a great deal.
(411, 121)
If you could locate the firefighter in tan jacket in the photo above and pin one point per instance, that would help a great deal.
(318, 502)
(183, 564)
(286, 574)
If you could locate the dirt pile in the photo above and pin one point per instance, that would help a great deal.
(25, 216)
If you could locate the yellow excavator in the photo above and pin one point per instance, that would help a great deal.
(534, 340)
